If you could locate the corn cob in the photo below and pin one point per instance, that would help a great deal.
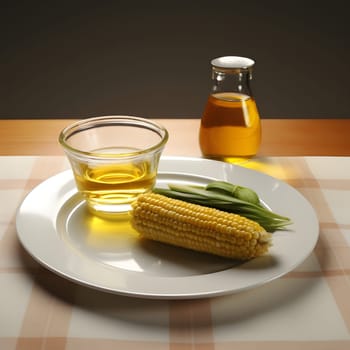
(197, 227)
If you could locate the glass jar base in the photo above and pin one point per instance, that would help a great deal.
(240, 160)
(108, 211)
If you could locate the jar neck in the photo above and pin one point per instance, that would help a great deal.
(234, 80)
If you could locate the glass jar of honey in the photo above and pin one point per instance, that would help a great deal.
(230, 127)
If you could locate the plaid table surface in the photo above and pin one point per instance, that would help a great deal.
(309, 308)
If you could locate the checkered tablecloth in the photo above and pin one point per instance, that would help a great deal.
(309, 308)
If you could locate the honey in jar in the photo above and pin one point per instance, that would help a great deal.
(230, 126)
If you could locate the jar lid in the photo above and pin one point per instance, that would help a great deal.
(232, 62)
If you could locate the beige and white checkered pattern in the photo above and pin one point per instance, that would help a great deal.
(307, 309)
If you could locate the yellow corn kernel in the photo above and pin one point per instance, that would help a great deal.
(197, 227)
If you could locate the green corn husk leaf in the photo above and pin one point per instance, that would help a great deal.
(239, 192)
(218, 198)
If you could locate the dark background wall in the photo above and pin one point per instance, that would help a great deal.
(152, 58)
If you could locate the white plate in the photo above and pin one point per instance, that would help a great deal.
(55, 228)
